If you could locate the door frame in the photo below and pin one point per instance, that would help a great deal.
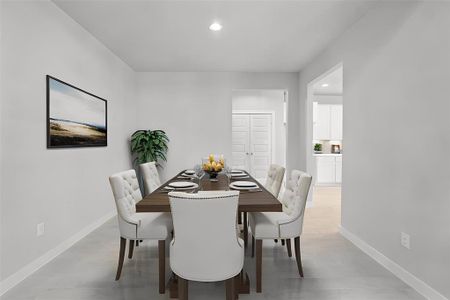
(272, 133)
(310, 161)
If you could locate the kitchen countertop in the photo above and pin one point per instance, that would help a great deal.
(327, 154)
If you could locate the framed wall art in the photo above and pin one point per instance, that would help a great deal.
(75, 118)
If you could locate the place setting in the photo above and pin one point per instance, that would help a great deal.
(238, 174)
(245, 186)
(187, 174)
(180, 186)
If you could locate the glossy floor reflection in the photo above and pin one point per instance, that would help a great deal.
(334, 268)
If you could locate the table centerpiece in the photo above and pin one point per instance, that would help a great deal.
(213, 166)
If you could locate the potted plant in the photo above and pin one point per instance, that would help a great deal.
(317, 148)
(149, 145)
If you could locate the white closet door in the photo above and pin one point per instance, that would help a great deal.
(260, 144)
(240, 146)
(252, 143)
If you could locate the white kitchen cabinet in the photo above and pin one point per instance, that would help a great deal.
(328, 169)
(321, 128)
(339, 169)
(327, 121)
(336, 122)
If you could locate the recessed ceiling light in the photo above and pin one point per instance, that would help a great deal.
(215, 26)
(325, 85)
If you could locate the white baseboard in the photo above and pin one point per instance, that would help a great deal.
(35, 265)
(417, 284)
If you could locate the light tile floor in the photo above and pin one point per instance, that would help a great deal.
(334, 268)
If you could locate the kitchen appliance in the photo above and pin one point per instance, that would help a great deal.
(336, 149)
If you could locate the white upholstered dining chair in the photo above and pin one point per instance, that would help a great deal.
(135, 226)
(151, 177)
(206, 248)
(274, 179)
(282, 225)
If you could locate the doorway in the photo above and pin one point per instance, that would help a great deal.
(324, 137)
(258, 130)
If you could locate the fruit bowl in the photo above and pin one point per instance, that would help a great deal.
(213, 166)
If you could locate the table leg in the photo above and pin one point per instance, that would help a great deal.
(258, 265)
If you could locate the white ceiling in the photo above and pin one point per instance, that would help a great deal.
(334, 80)
(256, 35)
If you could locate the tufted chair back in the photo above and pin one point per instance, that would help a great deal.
(126, 192)
(193, 255)
(151, 177)
(294, 198)
(274, 179)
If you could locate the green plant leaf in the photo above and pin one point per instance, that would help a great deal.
(149, 145)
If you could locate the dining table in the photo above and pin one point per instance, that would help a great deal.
(254, 200)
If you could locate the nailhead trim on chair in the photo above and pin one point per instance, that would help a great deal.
(202, 198)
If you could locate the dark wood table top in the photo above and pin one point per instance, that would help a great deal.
(262, 201)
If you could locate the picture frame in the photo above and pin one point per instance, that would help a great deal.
(75, 117)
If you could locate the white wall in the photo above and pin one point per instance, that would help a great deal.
(195, 111)
(1, 140)
(266, 101)
(67, 189)
(396, 131)
(328, 99)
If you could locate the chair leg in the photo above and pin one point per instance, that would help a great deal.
(298, 256)
(162, 266)
(282, 242)
(131, 249)
(230, 288)
(245, 224)
(258, 265)
(289, 248)
(182, 288)
(123, 244)
(253, 246)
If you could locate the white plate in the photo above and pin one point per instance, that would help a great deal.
(247, 184)
(193, 186)
(242, 175)
(242, 188)
(189, 172)
(237, 172)
(181, 184)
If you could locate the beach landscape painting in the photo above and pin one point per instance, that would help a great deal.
(75, 118)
